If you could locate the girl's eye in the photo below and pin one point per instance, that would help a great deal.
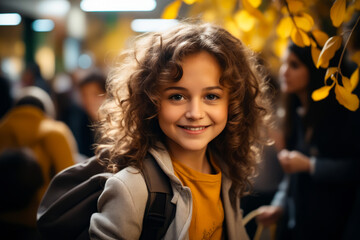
(294, 65)
(176, 97)
(212, 97)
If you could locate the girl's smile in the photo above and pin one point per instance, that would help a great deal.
(194, 129)
(194, 110)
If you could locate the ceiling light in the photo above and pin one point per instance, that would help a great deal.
(53, 8)
(10, 19)
(43, 25)
(117, 5)
(152, 25)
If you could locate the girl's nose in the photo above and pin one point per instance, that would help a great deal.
(195, 110)
(284, 69)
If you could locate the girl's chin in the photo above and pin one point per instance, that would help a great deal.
(286, 89)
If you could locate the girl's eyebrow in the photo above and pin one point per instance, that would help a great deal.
(184, 89)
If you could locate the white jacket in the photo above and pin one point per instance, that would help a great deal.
(122, 205)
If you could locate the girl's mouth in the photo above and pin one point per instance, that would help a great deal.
(194, 128)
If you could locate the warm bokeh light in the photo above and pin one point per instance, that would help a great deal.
(45, 57)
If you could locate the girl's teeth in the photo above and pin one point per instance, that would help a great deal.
(194, 128)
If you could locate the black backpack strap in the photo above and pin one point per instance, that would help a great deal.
(159, 211)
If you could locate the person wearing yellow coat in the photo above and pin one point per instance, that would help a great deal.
(31, 124)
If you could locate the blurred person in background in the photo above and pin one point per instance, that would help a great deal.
(21, 178)
(321, 156)
(352, 48)
(6, 98)
(92, 94)
(78, 98)
(69, 109)
(32, 77)
(30, 123)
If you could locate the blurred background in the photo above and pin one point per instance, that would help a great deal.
(66, 48)
(65, 35)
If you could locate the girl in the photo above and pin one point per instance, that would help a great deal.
(321, 156)
(190, 97)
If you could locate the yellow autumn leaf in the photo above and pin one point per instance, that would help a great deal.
(346, 83)
(232, 27)
(280, 46)
(271, 14)
(334, 77)
(320, 36)
(304, 21)
(253, 11)
(312, 42)
(189, 2)
(257, 42)
(354, 79)
(337, 12)
(330, 72)
(226, 7)
(356, 58)
(209, 15)
(284, 10)
(350, 10)
(244, 20)
(315, 52)
(346, 98)
(328, 51)
(171, 11)
(299, 37)
(321, 93)
(295, 6)
(357, 4)
(255, 3)
(284, 27)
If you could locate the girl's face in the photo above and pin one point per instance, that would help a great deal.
(194, 110)
(92, 96)
(294, 75)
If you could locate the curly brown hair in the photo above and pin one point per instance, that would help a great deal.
(129, 126)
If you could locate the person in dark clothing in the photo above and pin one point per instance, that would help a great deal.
(321, 156)
(78, 105)
(32, 77)
(21, 178)
(92, 94)
(5, 96)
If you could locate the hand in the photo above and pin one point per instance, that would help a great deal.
(269, 215)
(294, 161)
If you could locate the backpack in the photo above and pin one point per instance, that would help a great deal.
(71, 199)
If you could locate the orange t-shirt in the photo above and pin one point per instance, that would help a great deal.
(208, 213)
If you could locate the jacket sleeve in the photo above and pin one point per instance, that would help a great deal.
(342, 166)
(121, 207)
(335, 171)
